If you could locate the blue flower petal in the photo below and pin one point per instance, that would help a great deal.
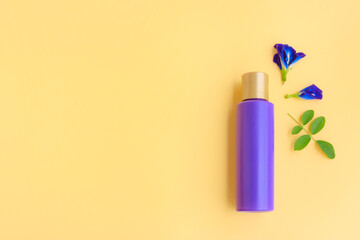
(282, 55)
(312, 88)
(308, 96)
(311, 92)
(278, 47)
(298, 56)
(289, 53)
(277, 60)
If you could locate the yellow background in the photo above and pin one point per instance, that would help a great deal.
(117, 118)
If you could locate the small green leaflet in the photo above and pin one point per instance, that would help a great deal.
(307, 116)
(302, 142)
(317, 125)
(296, 130)
(327, 148)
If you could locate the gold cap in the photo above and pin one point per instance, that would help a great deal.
(255, 85)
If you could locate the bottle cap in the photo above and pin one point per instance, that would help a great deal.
(255, 85)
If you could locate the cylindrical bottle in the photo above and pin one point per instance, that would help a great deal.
(255, 146)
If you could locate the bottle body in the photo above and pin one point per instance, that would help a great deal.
(255, 155)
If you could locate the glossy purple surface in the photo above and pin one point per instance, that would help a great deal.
(255, 156)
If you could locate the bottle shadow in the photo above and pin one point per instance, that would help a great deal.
(231, 159)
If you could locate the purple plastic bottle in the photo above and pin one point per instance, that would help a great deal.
(255, 146)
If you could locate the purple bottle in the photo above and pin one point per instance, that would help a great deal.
(255, 146)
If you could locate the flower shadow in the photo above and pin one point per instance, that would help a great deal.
(231, 164)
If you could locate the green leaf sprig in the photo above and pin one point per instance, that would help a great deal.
(316, 126)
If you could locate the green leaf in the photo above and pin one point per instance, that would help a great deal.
(302, 142)
(307, 116)
(317, 125)
(327, 148)
(296, 130)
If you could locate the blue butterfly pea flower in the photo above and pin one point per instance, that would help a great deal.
(285, 58)
(308, 93)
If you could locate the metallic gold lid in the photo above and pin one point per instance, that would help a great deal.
(255, 85)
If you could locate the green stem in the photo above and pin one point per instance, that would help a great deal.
(295, 95)
(302, 127)
(283, 76)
